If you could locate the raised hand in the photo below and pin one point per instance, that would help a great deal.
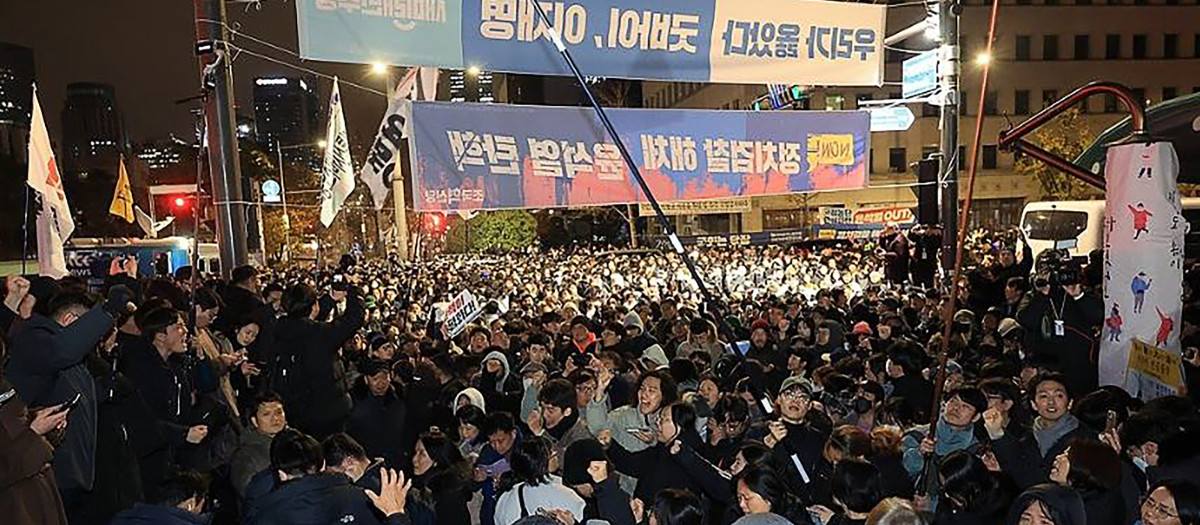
(393, 492)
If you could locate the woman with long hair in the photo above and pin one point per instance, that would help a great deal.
(533, 489)
(440, 478)
(1093, 469)
(1171, 502)
(1048, 504)
(969, 493)
(762, 491)
(654, 467)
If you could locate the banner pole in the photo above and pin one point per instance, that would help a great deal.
(25, 228)
(714, 306)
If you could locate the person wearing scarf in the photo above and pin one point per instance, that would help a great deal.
(1028, 459)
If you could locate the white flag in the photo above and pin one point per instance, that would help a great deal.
(51, 260)
(338, 174)
(43, 172)
(419, 83)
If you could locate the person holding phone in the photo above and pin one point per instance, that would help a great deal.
(47, 367)
(28, 494)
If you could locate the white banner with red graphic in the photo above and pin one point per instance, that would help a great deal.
(1143, 269)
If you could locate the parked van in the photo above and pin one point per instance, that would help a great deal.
(1078, 226)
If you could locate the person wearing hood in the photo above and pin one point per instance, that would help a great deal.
(582, 340)
(654, 357)
(637, 339)
(763, 347)
(501, 388)
(1048, 504)
(377, 421)
(557, 417)
(180, 501)
(469, 397)
(1029, 458)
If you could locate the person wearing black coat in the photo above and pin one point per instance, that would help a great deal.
(180, 502)
(47, 367)
(654, 467)
(156, 367)
(1060, 321)
(378, 419)
(440, 483)
(303, 494)
(1029, 458)
(310, 372)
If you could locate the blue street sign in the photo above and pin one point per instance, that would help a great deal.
(895, 118)
(921, 74)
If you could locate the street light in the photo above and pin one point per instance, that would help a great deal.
(321, 144)
(379, 68)
(983, 59)
(473, 71)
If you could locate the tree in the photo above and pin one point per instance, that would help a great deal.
(1066, 136)
(494, 231)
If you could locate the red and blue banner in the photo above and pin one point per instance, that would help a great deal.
(493, 156)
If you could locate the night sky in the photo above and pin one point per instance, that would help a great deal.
(144, 48)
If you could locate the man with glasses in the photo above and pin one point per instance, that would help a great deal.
(795, 440)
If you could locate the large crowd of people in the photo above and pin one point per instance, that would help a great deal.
(589, 387)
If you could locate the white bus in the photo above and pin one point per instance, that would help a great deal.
(1078, 226)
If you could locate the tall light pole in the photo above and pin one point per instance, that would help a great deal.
(216, 77)
(948, 78)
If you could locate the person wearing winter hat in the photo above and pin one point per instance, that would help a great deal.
(654, 357)
(637, 339)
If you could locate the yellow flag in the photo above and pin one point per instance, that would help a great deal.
(122, 200)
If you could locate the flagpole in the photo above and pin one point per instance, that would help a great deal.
(25, 227)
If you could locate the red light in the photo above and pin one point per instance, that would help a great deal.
(180, 202)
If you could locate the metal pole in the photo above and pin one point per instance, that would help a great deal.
(25, 227)
(223, 162)
(948, 73)
(715, 307)
(287, 223)
(632, 218)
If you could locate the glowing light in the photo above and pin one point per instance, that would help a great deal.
(379, 68)
(983, 59)
(473, 71)
(180, 202)
(321, 144)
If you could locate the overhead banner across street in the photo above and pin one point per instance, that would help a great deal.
(493, 156)
(731, 41)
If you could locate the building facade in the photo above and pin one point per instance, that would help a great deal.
(1043, 50)
(16, 110)
(287, 112)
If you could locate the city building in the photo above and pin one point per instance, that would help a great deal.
(1044, 49)
(93, 129)
(16, 110)
(287, 112)
(471, 85)
(168, 161)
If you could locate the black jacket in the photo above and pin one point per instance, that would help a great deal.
(47, 368)
(1020, 457)
(917, 393)
(319, 499)
(1104, 507)
(378, 424)
(1075, 350)
(654, 469)
(445, 494)
(804, 441)
(311, 373)
(158, 515)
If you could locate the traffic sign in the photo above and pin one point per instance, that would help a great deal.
(921, 74)
(894, 118)
(271, 191)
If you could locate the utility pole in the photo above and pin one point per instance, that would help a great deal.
(948, 77)
(216, 77)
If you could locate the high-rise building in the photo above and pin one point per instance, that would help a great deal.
(93, 129)
(471, 85)
(1046, 49)
(16, 109)
(287, 111)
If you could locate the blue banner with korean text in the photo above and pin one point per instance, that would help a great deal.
(494, 156)
(807, 42)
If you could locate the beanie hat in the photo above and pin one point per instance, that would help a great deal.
(633, 319)
(862, 328)
(760, 324)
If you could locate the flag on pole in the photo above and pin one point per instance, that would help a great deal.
(54, 222)
(338, 174)
(122, 200)
(419, 84)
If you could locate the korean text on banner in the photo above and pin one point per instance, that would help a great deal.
(338, 175)
(462, 310)
(736, 41)
(493, 156)
(1142, 295)
(418, 84)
